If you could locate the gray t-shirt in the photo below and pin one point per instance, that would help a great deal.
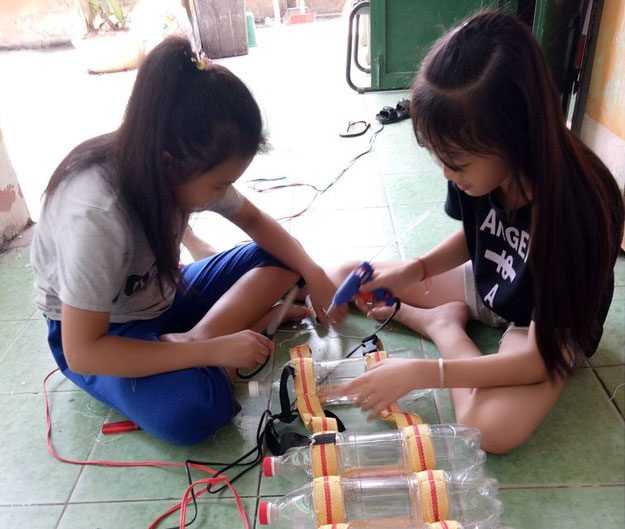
(89, 251)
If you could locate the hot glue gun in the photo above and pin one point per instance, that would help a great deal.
(350, 287)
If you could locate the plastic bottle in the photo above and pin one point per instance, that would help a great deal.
(456, 448)
(389, 502)
(329, 375)
(447, 524)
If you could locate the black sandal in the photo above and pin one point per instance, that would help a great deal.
(354, 128)
(393, 115)
(387, 115)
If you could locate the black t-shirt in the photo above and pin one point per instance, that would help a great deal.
(498, 245)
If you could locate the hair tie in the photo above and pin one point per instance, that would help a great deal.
(202, 62)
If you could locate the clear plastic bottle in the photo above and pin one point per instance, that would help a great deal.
(456, 448)
(329, 375)
(442, 525)
(448, 524)
(389, 502)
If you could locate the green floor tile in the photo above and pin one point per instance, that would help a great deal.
(580, 442)
(27, 361)
(397, 149)
(360, 187)
(619, 270)
(419, 187)
(18, 293)
(611, 350)
(353, 227)
(486, 338)
(426, 235)
(15, 258)
(210, 513)
(230, 442)
(445, 407)
(33, 474)
(9, 331)
(564, 508)
(613, 378)
(32, 517)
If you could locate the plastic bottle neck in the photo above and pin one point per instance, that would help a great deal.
(267, 513)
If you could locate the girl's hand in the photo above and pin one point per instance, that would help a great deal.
(321, 290)
(383, 385)
(394, 277)
(244, 349)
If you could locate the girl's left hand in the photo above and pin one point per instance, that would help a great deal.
(383, 385)
(321, 290)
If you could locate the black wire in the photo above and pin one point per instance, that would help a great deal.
(260, 439)
(382, 325)
(318, 191)
(247, 376)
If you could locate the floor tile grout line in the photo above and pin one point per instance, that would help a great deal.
(15, 338)
(82, 469)
(136, 500)
(611, 398)
(562, 486)
(34, 393)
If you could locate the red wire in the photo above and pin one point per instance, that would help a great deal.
(182, 505)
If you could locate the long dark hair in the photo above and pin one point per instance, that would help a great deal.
(485, 87)
(200, 116)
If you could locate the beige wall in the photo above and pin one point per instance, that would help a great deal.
(14, 215)
(264, 8)
(38, 22)
(603, 128)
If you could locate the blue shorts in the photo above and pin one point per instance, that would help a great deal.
(186, 406)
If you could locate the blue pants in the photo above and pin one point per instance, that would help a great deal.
(186, 406)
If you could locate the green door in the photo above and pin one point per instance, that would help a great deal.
(402, 31)
(557, 29)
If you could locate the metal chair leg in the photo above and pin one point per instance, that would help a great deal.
(352, 44)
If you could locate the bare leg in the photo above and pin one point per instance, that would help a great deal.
(245, 306)
(506, 416)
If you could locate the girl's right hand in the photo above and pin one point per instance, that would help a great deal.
(243, 349)
(395, 276)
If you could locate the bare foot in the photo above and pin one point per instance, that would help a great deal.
(293, 313)
(428, 322)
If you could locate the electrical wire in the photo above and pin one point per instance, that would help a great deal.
(214, 479)
(318, 191)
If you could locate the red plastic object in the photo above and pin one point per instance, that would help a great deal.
(267, 467)
(119, 427)
(263, 513)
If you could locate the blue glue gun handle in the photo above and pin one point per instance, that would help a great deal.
(347, 290)
(381, 294)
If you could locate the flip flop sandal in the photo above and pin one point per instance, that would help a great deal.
(403, 109)
(387, 115)
(354, 128)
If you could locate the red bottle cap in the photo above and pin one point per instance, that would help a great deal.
(268, 467)
(263, 513)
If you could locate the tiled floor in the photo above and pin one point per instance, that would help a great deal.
(571, 473)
